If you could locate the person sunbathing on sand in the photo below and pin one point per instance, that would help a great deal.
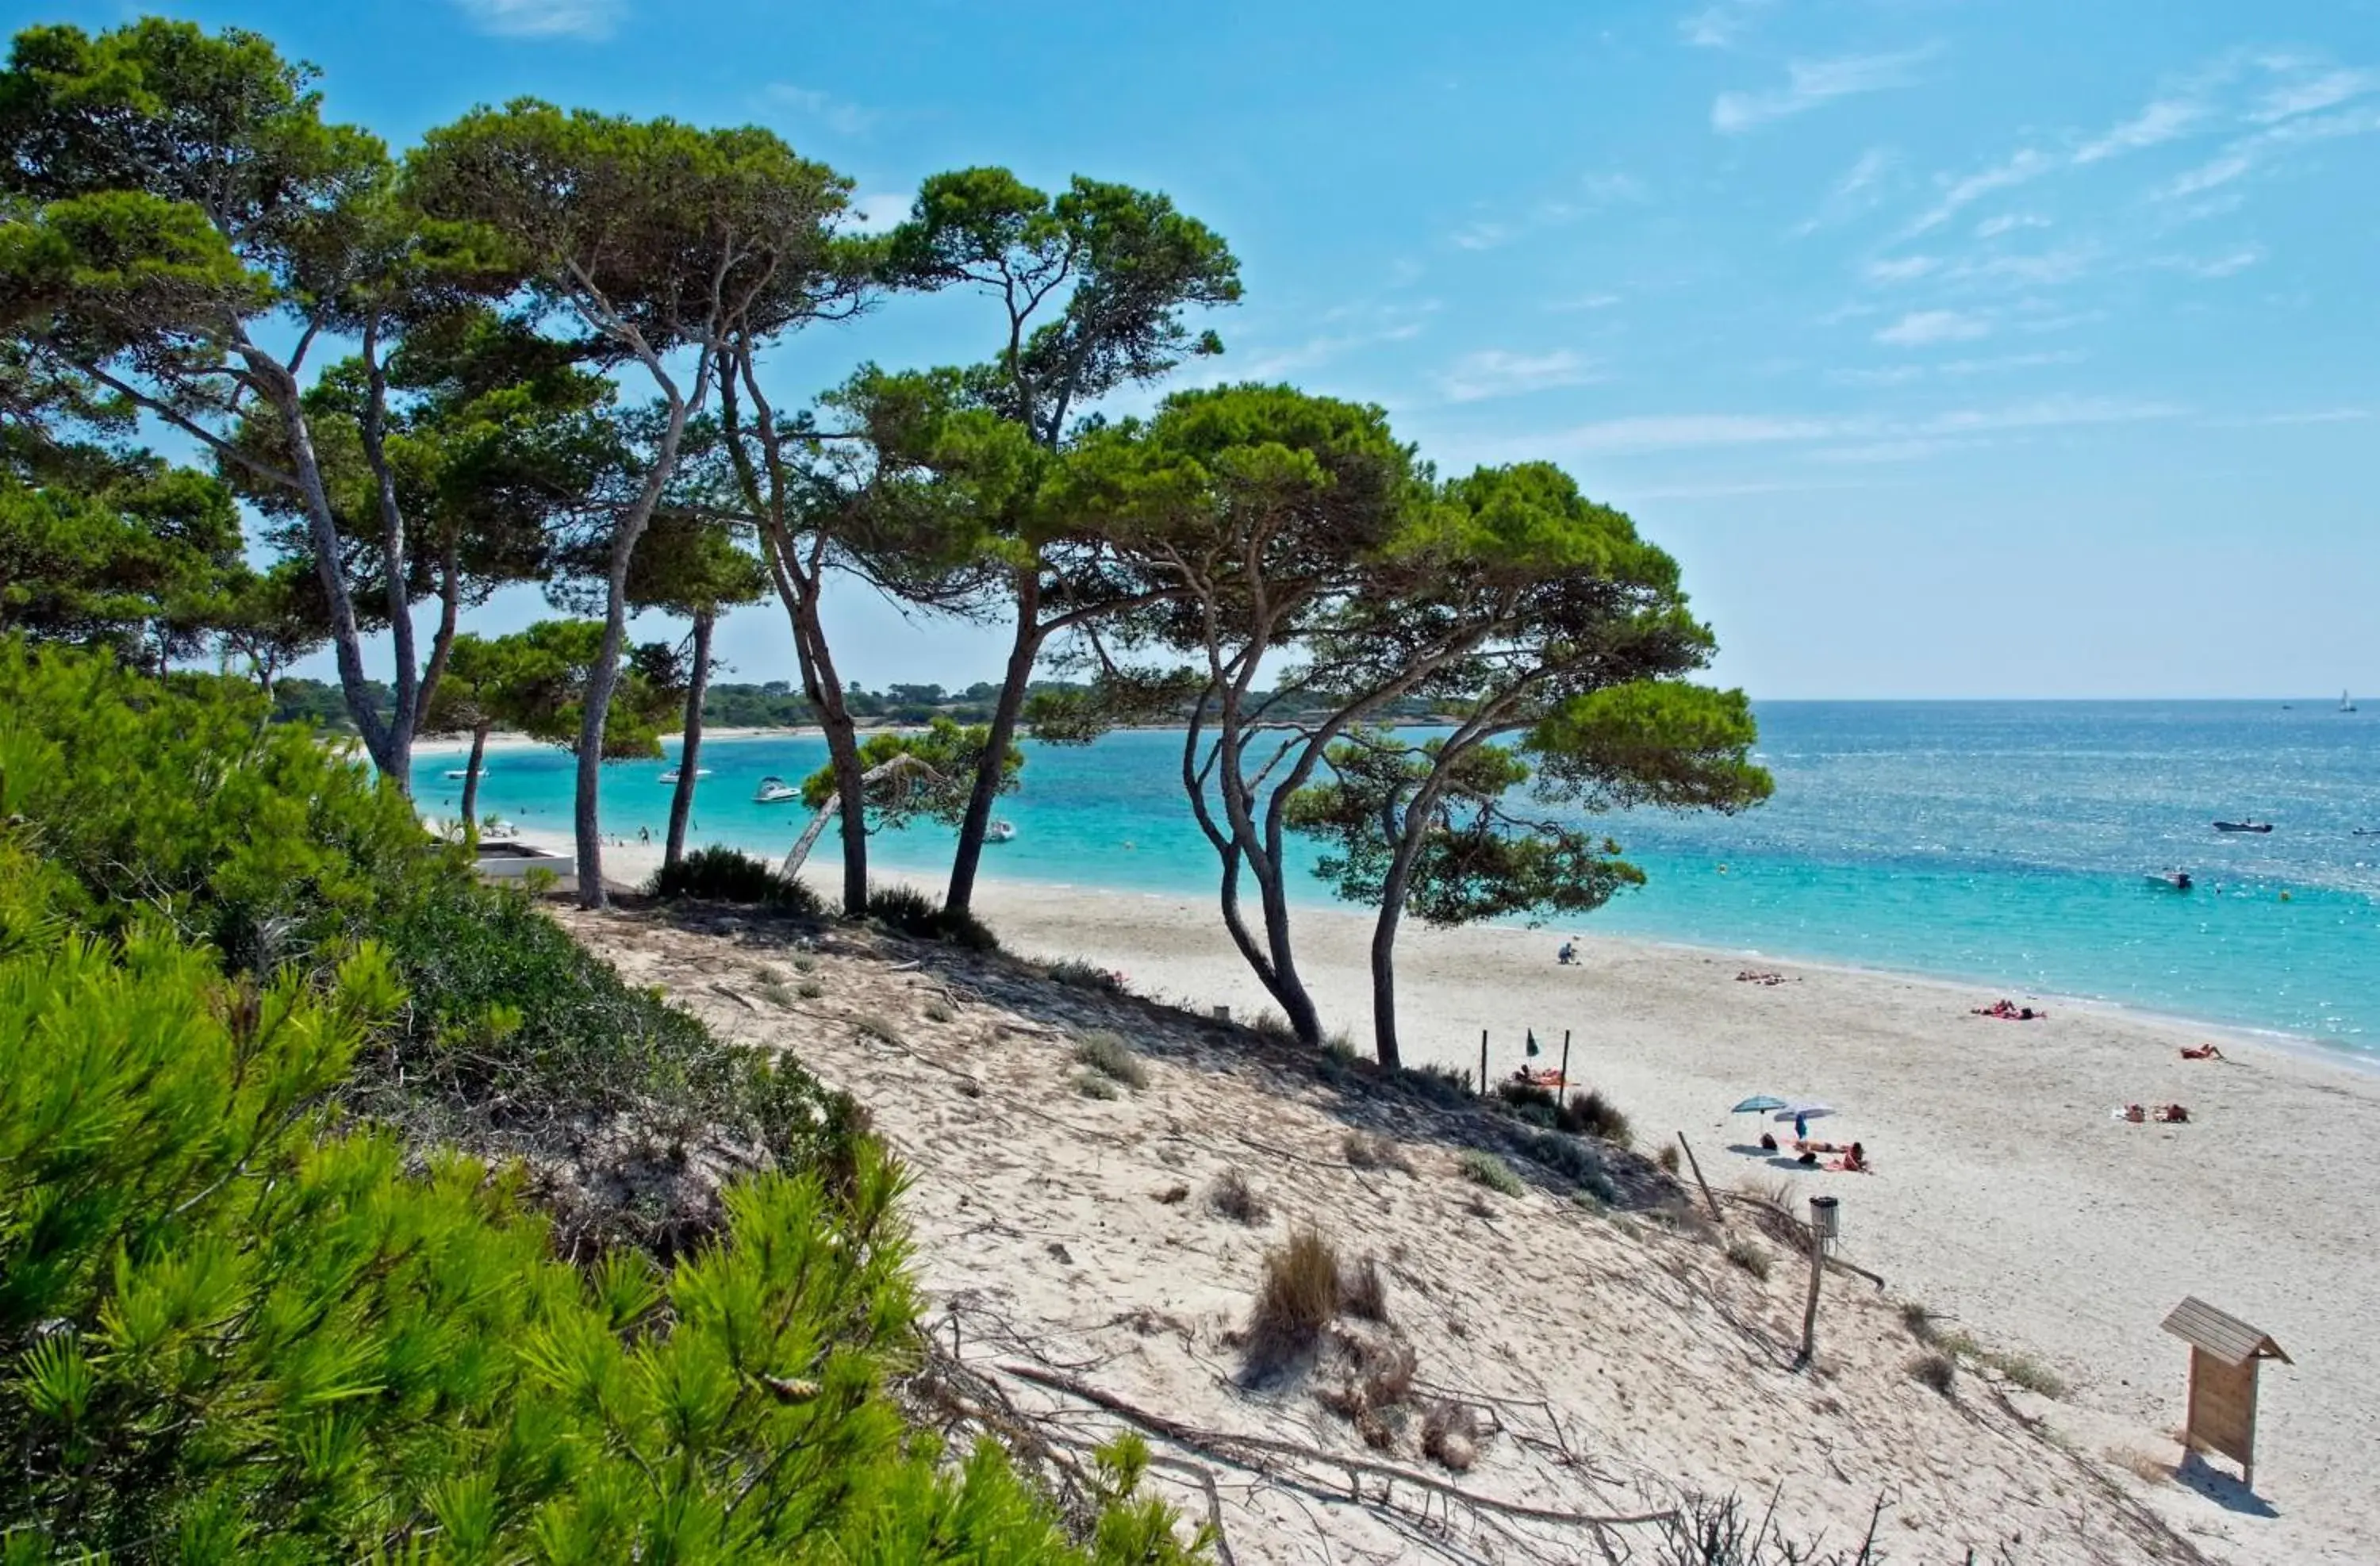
(2203, 1052)
(2171, 1115)
(2133, 1113)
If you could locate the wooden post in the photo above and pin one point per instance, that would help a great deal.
(1483, 1063)
(1810, 1310)
(1696, 1165)
(1565, 1081)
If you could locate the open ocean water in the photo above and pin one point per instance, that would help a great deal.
(2004, 843)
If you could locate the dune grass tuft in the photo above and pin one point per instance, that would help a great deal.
(1482, 1168)
(1369, 1149)
(1750, 1258)
(1296, 1300)
(1236, 1199)
(1108, 1054)
(1937, 1370)
(1363, 1292)
(1091, 1084)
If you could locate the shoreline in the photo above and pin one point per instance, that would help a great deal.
(628, 865)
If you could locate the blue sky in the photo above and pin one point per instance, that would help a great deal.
(1958, 347)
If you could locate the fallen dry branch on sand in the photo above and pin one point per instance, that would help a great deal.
(1248, 1452)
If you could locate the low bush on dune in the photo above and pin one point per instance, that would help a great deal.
(176, 803)
(912, 913)
(720, 874)
(1592, 1114)
(1108, 1054)
(1486, 1169)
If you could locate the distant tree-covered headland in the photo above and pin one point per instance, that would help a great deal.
(270, 387)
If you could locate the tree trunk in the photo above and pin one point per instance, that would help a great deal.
(843, 755)
(472, 779)
(1384, 983)
(394, 763)
(690, 749)
(1286, 986)
(993, 766)
(587, 814)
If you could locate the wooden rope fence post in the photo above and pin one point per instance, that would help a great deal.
(1696, 1165)
(1565, 1075)
(1483, 1063)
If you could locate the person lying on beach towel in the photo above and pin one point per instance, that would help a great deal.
(2171, 1115)
(1539, 1076)
(1752, 976)
(2008, 1011)
(1853, 1161)
(2133, 1112)
(2203, 1052)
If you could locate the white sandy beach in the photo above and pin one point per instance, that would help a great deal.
(2005, 1193)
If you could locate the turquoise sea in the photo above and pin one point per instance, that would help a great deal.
(2006, 843)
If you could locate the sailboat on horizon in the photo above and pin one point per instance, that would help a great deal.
(2345, 702)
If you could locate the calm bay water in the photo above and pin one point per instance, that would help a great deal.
(2004, 843)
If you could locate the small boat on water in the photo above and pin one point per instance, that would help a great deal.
(2345, 702)
(672, 775)
(464, 772)
(2243, 826)
(773, 791)
(1000, 831)
(2176, 880)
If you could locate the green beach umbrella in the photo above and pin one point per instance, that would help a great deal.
(1756, 1103)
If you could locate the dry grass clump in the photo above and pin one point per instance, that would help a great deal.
(1482, 1168)
(1091, 1084)
(809, 990)
(1449, 1435)
(1369, 1149)
(1592, 1114)
(940, 1011)
(2145, 1466)
(1750, 1258)
(774, 990)
(1363, 1292)
(2020, 1369)
(1440, 1084)
(1108, 1054)
(1773, 1213)
(1298, 1299)
(1236, 1199)
(1938, 1370)
(870, 1026)
(1371, 1392)
(1088, 975)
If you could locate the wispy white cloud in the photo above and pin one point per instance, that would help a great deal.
(2313, 93)
(2009, 223)
(2229, 263)
(1953, 369)
(1901, 268)
(1592, 193)
(1345, 329)
(544, 18)
(1857, 191)
(2161, 122)
(1643, 434)
(2028, 164)
(1923, 328)
(1718, 25)
(1497, 372)
(2310, 416)
(1810, 83)
(842, 117)
(1585, 301)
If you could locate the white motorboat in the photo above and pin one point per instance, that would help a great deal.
(672, 775)
(464, 772)
(773, 791)
(1000, 831)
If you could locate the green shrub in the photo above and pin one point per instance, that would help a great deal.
(1486, 1168)
(912, 913)
(1440, 1084)
(1108, 1054)
(720, 874)
(1592, 1114)
(237, 1334)
(176, 802)
(1087, 976)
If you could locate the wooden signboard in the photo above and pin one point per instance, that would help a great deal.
(2223, 1353)
(2223, 1409)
